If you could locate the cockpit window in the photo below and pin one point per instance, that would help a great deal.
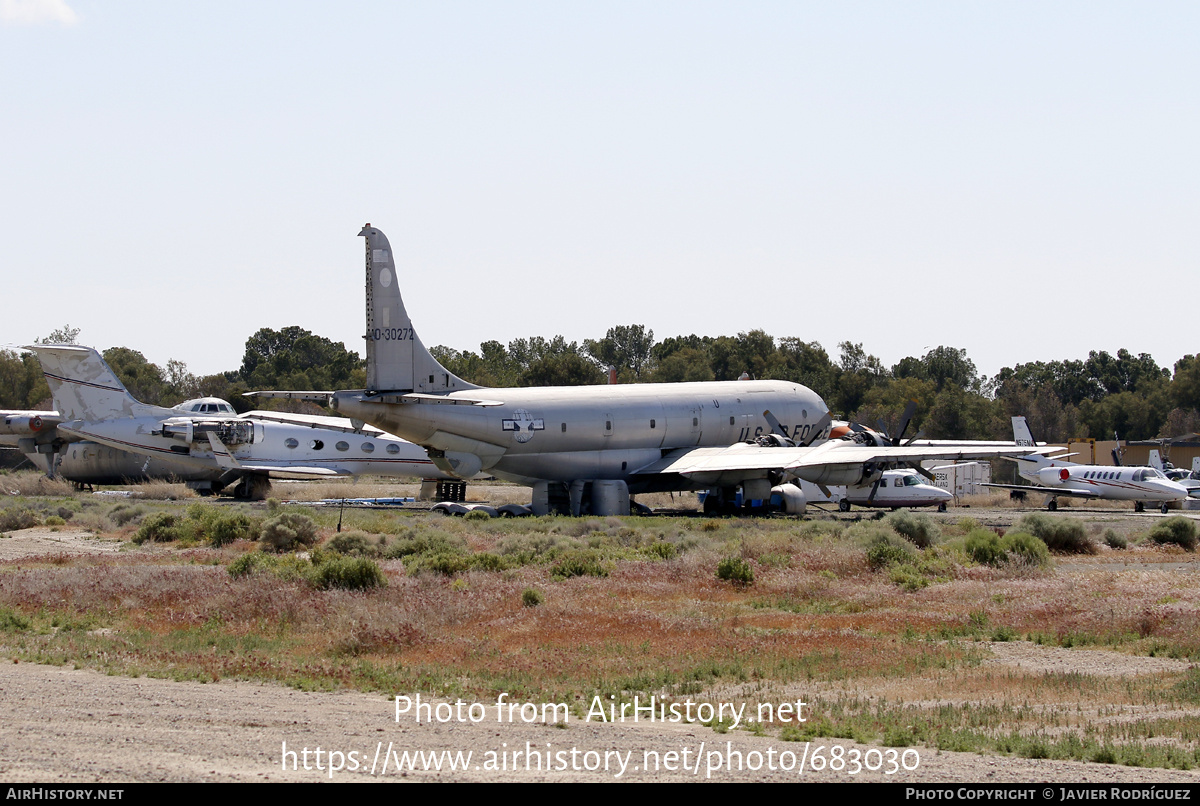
(911, 481)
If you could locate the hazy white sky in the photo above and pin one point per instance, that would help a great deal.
(1018, 179)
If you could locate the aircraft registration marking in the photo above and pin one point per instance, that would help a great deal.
(391, 334)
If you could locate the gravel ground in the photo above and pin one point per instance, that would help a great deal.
(63, 725)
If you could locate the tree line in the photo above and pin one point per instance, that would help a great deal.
(1130, 395)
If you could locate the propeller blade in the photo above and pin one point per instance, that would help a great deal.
(905, 419)
(776, 427)
(818, 429)
(915, 437)
(874, 489)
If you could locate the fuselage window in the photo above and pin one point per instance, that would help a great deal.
(731, 421)
(317, 445)
(393, 448)
(564, 428)
(343, 446)
(368, 447)
(651, 423)
(291, 443)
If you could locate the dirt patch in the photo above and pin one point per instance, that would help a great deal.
(83, 726)
(1034, 659)
(42, 540)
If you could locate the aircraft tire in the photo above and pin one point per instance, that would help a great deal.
(844, 505)
(1164, 508)
(942, 507)
(1053, 505)
(1138, 506)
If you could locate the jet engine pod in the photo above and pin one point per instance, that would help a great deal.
(457, 463)
(1053, 476)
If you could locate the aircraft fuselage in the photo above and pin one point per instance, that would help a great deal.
(588, 432)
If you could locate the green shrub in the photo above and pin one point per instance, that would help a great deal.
(122, 514)
(885, 552)
(347, 573)
(161, 527)
(12, 519)
(662, 549)
(1026, 548)
(477, 515)
(226, 527)
(1176, 530)
(984, 547)
(735, 569)
(445, 563)
(531, 597)
(54, 520)
(1114, 540)
(580, 562)
(287, 532)
(248, 564)
(1064, 535)
(918, 529)
(354, 543)
(487, 561)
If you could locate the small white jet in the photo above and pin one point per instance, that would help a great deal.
(1061, 478)
(206, 438)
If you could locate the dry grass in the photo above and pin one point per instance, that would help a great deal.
(34, 483)
(878, 659)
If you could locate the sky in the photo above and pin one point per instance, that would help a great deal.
(1018, 179)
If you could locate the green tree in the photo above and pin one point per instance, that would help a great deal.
(295, 358)
(626, 347)
(143, 379)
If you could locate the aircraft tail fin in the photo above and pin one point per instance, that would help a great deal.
(83, 386)
(1021, 432)
(397, 361)
(1156, 461)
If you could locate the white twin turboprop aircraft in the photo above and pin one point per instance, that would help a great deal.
(587, 448)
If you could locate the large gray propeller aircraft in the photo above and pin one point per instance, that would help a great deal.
(588, 448)
(204, 441)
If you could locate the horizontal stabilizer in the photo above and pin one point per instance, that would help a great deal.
(316, 397)
(418, 397)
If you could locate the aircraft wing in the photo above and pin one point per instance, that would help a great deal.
(705, 465)
(225, 459)
(1031, 488)
(324, 398)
